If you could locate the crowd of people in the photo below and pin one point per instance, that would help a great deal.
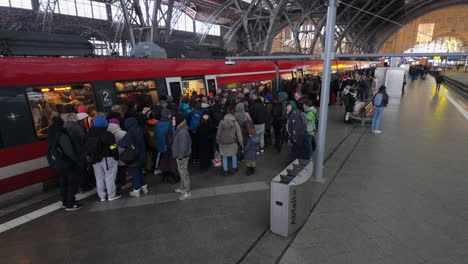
(221, 131)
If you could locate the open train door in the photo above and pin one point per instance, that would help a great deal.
(174, 87)
(211, 83)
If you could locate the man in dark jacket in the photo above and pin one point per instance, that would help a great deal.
(103, 155)
(258, 113)
(440, 80)
(135, 136)
(181, 150)
(297, 129)
(66, 164)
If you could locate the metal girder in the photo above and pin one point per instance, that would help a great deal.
(201, 35)
(45, 18)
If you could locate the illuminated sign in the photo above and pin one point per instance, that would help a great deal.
(436, 57)
(62, 88)
(45, 90)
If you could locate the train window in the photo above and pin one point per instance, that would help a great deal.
(191, 86)
(135, 85)
(139, 92)
(49, 101)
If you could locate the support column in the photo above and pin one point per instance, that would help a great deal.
(128, 22)
(327, 56)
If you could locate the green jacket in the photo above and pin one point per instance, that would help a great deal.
(310, 113)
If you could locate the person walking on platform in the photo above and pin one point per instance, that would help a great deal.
(118, 133)
(258, 114)
(135, 137)
(229, 138)
(380, 101)
(62, 156)
(439, 80)
(296, 127)
(102, 153)
(181, 150)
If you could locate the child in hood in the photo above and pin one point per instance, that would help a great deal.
(250, 152)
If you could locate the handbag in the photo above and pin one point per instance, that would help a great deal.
(130, 153)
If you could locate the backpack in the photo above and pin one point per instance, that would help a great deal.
(297, 127)
(218, 115)
(94, 150)
(55, 155)
(384, 100)
(195, 121)
(86, 123)
(228, 132)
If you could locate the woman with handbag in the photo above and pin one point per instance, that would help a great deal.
(134, 155)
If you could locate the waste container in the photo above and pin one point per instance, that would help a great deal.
(291, 200)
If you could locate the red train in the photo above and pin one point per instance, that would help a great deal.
(32, 90)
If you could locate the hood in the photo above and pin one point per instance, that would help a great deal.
(185, 106)
(113, 128)
(255, 139)
(229, 117)
(131, 122)
(282, 96)
(182, 125)
(82, 116)
(240, 108)
(311, 109)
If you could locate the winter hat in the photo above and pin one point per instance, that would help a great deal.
(82, 109)
(114, 121)
(165, 113)
(293, 104)
(100, 121)
(268, 97)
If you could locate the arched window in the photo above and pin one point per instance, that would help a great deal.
(440, 45)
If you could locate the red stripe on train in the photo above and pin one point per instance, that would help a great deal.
(26, 179)
(245, 78)
(13, 155)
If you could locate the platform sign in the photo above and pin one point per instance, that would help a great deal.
(436, 57)
(106, 98)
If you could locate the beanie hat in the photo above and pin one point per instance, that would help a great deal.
(82, 109)
(114, 121)
(100, 121)
(293, 104)
(165, 112)
(268, 97)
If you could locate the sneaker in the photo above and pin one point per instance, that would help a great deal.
(377, 131)
(258, 152)
(262, 150)
(73, 208)
(157, 171)
(135, 193)
(144, 188)
(103, 199)
(178, 190)
(115, 197)
(185, 195)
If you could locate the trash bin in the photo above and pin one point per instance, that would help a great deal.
(291, 200)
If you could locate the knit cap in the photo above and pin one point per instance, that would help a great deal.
(99, 121)
(82, 109)
(114, 121)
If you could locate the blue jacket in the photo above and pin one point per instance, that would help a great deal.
(160, 131)
(135, 132)
(185, 108)
(250, 149)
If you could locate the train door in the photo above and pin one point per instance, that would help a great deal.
(211, 83)
(194, 84)
(174, 86)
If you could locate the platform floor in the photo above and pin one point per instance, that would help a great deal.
(397, 197)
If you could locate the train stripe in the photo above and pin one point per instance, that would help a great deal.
(26, 179)
(23, 167)
(13, 155)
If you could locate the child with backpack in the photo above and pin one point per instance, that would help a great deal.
(250, 152)
(102, 153)
(310, 118)
(229, 138)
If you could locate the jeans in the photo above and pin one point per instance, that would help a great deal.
(182, 166)
(138, 179)
(378, 111)
(310, 146)
(260, 130)
(438, 86)
(225, 162)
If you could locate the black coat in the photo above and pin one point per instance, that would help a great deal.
(258, 112)
(135, 134)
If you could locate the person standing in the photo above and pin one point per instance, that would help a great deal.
(62, 157)
(439, 81)
(102, 153)
(250, 152)
(349, 100)
(310, 115)
(161, 129)
(205, 139)
(135, 136)
(380, 101)
(297, 128)
(229, 138)
(118, 133)
(181, 150)
(258, 114)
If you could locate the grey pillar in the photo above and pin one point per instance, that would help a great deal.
(128, 22)
(328, 56)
